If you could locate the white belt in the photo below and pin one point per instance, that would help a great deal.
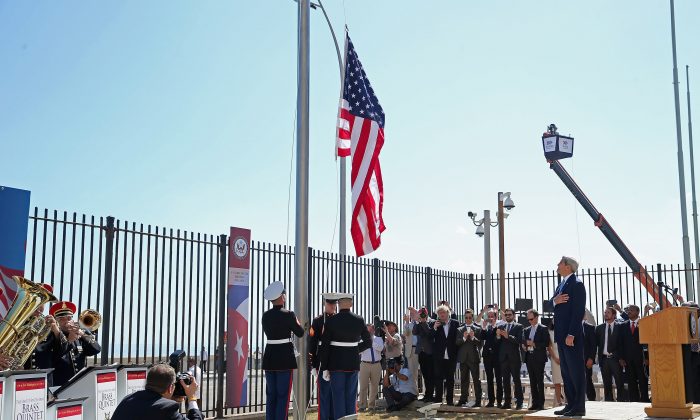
(281, 341)
(343, 344)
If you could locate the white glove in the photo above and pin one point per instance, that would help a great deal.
(326, 376)
(314, 372)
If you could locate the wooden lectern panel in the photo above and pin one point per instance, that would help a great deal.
(666, 332)
(670, 326)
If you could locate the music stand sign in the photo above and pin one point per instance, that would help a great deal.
(130, 379)
(71, 412)
(106, 397)
(30, 398)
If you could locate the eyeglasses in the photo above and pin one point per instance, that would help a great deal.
(531, 319)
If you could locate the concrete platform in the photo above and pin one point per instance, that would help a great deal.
(480, 410)
(600, 410)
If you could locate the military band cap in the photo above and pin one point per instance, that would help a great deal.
(342, 296)
(62, 308)
(274, 290)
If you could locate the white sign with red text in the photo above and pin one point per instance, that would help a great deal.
(2, 396)
(106, 395)
(135, 381)
(71, 412)
(30, 399)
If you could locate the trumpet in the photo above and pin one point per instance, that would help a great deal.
(90, 320)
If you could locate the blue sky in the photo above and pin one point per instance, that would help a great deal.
(181, 114)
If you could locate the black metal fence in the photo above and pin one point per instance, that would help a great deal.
(162, 289)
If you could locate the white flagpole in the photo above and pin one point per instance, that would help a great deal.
(301, 244)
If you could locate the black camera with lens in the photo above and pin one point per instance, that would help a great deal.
(176, 360)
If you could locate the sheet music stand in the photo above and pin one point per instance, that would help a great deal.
(23, 387)
(99, 385)
(68, 409)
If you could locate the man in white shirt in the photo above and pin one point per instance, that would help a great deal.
(196, 372)
(410, 353)
(609, 350)
(370, 371)
(399, 388)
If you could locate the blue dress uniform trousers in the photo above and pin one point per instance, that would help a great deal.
(325, 399)
(278, 390)
(573, 370)
(344, 391)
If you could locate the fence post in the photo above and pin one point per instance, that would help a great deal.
(375, 286)
(107, 298)
(659, 281)
(471, 292)
(429, 289)
(309, 310)
(223, 254)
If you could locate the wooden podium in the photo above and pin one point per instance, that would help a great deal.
(668, 334)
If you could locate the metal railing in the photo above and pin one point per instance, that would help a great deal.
(162, 289)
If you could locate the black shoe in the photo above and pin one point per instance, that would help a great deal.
(451, 403)
(499, 405)
(426, 399)
(532, 408)
(461, 403)
(489, 405)
(574, 413)
(478, 404)
(562, 411)
(506, 406)
(519, 406)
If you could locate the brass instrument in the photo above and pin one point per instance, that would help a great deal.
(22, 328)
(90, 320)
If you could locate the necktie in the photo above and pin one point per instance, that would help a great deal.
(609, 337)
(371, 351)
(632, 326)
(508, 327)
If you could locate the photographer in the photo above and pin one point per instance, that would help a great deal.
(399, 387)
(156, 401)
(392, 340)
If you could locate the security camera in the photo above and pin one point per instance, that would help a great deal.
(471, 214)
(480, 231)
(508, 204)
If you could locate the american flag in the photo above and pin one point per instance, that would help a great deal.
(8, 290)
(361, 136)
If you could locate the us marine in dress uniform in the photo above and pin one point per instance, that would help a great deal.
(347, 336)
(44, 353)
(279, 359)
(316, 342)
(78, 343)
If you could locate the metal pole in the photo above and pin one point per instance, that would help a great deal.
(107, 300)
(487, 258)
(220, 357)
(692, 176)
(302, 209)
(690, 290)
(501, 254)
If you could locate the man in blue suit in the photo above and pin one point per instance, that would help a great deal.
(569, 306)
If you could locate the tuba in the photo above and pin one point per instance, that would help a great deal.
(90, 320)
(22, 329)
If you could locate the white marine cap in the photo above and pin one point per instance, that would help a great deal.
(274, 290)
(341, 296)
(331, 297)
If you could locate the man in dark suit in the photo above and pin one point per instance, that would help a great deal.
(535, 342)
(468, 346)
(569, 307)
(347, 337)
(279, 360)
(155, 402)
(444, 335)
(490, 353)
(609, 349)
(589, 342)
(424, 347)
(632, 358)
(510, 334)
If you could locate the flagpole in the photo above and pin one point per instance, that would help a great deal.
(692, 177)
(301, 244)
(690, 290)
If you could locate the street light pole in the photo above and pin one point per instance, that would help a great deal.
(501, 254)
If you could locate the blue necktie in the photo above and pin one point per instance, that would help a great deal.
(371, 351)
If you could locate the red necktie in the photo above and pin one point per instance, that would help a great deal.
(632, 326)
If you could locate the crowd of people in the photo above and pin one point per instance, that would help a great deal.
(431, 347)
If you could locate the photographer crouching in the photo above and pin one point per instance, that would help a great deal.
(157, 400)
(399, 388)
